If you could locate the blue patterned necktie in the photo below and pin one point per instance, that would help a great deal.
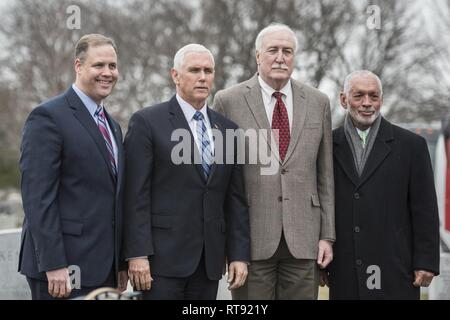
(101, 123)
(204, 142)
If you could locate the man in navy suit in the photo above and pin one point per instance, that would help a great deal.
(72, 173)
(184, 220)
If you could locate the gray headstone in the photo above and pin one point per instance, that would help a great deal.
(440, 287)
(13, 285)
(223, 293)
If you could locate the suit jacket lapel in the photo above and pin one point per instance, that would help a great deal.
(178, 120)
(256, 105)
(299, 116)
(380, 150)
(218, 154)
(85, 118)
(344, 156)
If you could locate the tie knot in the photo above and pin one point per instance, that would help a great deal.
(99, 112)
(277, 95)
(198, 116)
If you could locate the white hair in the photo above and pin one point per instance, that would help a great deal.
(274, 27)
(192, 47)
(350, 76)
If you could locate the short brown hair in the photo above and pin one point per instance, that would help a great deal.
(91, 40)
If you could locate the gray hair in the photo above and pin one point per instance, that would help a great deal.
(192, 47)
(350, 76)
(274, 27)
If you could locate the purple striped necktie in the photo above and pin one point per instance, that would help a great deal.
(101, 123)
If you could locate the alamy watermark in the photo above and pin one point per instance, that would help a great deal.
(73, 21)
(374, 19)
(374, 280)
(240, 147)
(75, 276)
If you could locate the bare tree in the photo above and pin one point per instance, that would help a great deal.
(230, 28)
(401, 54)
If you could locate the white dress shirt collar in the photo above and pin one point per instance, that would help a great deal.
(286, 90)
(189, 110)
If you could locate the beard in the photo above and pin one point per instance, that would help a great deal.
(361, 121)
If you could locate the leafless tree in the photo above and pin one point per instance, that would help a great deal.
(38, 48)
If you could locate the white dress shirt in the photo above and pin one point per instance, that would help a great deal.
(270, 101)
(189, 112)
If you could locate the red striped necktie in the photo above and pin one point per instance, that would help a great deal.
(101, 123)
(280, 121)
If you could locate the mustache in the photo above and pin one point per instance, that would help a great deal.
(371, 109)
(280, 66)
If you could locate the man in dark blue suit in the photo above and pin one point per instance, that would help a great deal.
(184, 220)
(72, 175)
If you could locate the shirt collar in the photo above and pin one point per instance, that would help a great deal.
(90, 104)
(189, 110)
(286, 90)
(362, 132)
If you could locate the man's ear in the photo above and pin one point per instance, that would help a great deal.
(343, 99)
(77, 65)
(257, 57)
(174, 74)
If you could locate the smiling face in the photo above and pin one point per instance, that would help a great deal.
(97, 74)
(363, 101)
(194, 78)
(276, 58)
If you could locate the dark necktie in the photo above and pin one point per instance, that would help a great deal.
(280, 121)
(101, 123)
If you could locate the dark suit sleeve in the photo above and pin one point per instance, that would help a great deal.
(40, 165)
(424, 211)
(237, 219)
(137, 237)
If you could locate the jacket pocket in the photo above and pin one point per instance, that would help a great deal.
(163, 222)
(71, 227)
(315, 200)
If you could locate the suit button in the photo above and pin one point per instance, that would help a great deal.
(356, 196)
(283, 171)
(280, 198)
(357, 229)
(358, 262)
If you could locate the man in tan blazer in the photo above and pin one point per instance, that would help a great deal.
(291, 210)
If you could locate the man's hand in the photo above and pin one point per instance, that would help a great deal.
(122, 281)
(59, 285)
(139, 274)
(422, 278)
(323, 278)
(325, 255)
(237, 274)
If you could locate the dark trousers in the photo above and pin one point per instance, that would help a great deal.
(281, 277)
(39, 288)
(195, 287)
